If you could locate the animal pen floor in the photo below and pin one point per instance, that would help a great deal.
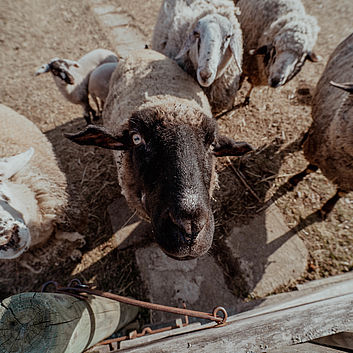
(32, 32)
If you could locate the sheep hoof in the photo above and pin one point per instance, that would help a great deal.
(246, 101)
(88, 119)
(96, 117)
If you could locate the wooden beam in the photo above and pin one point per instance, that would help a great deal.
(306, 348)
(321, 313)
(58, 323)
(339, 340)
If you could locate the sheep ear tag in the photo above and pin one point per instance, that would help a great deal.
(11, 165)
(98, 136)
(347, 86)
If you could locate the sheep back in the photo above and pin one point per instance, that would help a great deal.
(330, 140)
(42, 176)
(149, 79)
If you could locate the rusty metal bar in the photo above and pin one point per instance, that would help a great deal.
(76, 288)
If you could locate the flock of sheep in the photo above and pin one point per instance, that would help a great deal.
(158, 108)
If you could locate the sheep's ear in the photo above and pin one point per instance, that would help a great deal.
(189, 42)
(259, 51)
(313, 57)
(11, 165)
(234, 47)
(226, 146)
(72, 63)
(347, 86)
(98, 136)
(43, 69)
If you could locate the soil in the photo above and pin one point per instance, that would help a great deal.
(33, 32)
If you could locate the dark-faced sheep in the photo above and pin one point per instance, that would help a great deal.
(205, 38)
(72, 77)
(158, 121)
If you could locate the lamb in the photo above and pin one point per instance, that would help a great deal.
(329, 142)
(98, 84)
(71, 77)
(205, 38)
(165, 143)
(32, 187)
(278, 37)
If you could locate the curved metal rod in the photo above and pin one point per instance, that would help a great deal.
(79, 288)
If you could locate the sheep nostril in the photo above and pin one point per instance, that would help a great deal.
(205, 75)
(192, 227)
(275, 82)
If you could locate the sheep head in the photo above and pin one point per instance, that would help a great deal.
(60, 68)
(210, 44)
(286, 46)
(15, 236)
(168, 174)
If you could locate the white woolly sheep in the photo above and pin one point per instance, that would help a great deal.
(205, 38)
(98, 84)
(278, 37)
(329, 142)
(32, 187)
(72, 77)
(166, 142)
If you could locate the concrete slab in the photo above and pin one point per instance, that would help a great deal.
(120, 26)
(199, 283)
(268, 253)
(128, 228)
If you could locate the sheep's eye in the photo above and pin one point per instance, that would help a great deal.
(228, 36)
(196, 34)
(136, 139)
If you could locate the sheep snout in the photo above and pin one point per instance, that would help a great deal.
(283, 68)
(205, 77)
(184, 239)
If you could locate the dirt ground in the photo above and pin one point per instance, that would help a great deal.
(34, 31)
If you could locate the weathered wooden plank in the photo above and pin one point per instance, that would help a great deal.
(306, 348)
(333, 284)
(340, 340)
(58, 323)
(326, 281)
(300, 320)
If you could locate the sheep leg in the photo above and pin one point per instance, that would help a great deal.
(88, 111)
(330, 204)
(247, 97)
(95, 100)
(297, 178)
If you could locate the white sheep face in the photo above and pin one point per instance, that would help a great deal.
(209, 47)
(15, 236)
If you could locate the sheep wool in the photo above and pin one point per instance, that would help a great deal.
(42, 182)
(282, 24)
(330, 140)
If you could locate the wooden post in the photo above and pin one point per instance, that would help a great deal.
(58, 323)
